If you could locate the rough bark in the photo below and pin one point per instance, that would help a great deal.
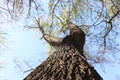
(64, 64)
(68, 61)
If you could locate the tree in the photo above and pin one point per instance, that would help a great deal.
(68, 61)
(99, 19)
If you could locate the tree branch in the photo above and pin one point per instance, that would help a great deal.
(99, 16)
(53, 12)
(54, 41)
(114, 4)
(110, 21)
(110, 27)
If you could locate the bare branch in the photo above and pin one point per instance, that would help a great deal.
(54, 41)
(30, 5)
(63, 24)
(29, 11)
(4, 9)
(50, 39)
(28, 66)
(114, 4)
(110, 21)
(94, 24)
(28, 70)
(53, 12)
(18, 65)
(109, 27)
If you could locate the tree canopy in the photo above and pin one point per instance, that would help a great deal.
(100, 20)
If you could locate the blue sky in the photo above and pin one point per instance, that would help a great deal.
(24, 45)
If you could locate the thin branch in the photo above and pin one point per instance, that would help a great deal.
(28, 70)
(35, 4)
(114, 4)
(110, 21)
(18, 65)
(63, 25)
(29, 27)
(110, 27)
(99, 15)
(4, 9)
(29, 7)
(28, 66)
(53, 12)
(40, 27)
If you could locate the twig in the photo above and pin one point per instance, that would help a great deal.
(110, 21)
(53, 12)
(99, 16)
(114, 4)
(110, 27)
(63, 25)
(40, 28)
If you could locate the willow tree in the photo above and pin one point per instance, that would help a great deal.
(68, 62)
(99, 20)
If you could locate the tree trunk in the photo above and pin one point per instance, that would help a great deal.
(66, 63)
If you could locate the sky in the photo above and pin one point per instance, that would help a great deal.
(24, 45)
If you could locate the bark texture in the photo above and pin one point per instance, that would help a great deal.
(64, 64)
(68, 61)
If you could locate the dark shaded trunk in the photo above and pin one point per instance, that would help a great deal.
(64, 64)
(68, 61)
